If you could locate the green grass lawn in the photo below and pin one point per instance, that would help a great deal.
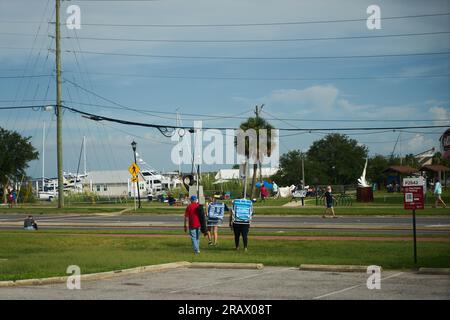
(384, 204)
(36, 255)
(227, 232)
(35, 210)
(259, 210)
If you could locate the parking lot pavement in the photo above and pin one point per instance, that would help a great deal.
(270, 283)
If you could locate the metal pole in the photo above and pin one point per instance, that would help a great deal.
(198, 183)
(58, 108)
(84, 151)
(245, 180)
(43, 158)
(137, 183)
(303, 172)
(414, 234)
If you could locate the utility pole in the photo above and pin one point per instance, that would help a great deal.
(258, 110)
(58, 107)
(180, 138)
(303, 170)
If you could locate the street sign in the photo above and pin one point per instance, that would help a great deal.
(412, 182)
(413, 198)
(134, 169)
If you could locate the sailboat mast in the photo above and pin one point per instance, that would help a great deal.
(179, 140)
(84, 153)
(43, 157)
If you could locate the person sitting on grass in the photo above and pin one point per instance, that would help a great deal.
(171, 200)
(329, 203)
(29, 223)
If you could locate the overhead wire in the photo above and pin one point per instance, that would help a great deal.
(387, 55)
(281, 23)
(227, 41)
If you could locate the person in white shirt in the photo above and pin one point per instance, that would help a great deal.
(438, 194)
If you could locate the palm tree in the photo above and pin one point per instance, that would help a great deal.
(257, 123)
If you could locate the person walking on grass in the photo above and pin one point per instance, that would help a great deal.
(214, 217)
(192, 224)
(10, 198)
(329, 203)
(240, 218)
(438, 194)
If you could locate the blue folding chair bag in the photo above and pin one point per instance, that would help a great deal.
(243, 210)
(216, 211)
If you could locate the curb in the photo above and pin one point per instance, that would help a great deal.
(96, 276)
(214, 265)
(334, 268)
(437, 271)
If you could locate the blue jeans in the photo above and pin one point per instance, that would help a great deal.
(195, 238)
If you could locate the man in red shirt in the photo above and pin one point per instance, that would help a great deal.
(192, 219)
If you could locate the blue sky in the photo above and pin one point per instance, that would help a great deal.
(160, 84)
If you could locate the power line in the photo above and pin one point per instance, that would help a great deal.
(152, 76)
(263, 58)
(218, 117)
(167, 128)
(26, 76)
(95, 117)
(236, 24)
(260, 40)
(261, 23)
(150, 112)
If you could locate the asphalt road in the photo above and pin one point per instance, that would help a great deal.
(379, 224)
(270, 283)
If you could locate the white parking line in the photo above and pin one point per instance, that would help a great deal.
(353, 287)
(236, 279)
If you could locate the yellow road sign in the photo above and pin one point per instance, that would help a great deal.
(134, 169)
(134, 179)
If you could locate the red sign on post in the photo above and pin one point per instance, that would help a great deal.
(413, 197)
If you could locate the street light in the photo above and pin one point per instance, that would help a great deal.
(133, 145)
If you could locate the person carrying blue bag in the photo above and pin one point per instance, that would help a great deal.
(215, 213)
(240, 219)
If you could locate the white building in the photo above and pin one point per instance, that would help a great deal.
(118, 183)
(112, 183)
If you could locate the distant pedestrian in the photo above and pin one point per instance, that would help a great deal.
(438, 194)
(192, 221)
(240, 219)
(329, 199)
(215, 213)
(29, 223)
(264, 192)
(275, 189)
(10, 198)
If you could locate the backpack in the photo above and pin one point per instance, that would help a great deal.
(216, 211)
(201, 216)
(242, 210)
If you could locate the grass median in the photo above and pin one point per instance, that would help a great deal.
(37, 255)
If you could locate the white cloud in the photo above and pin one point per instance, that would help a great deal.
(439, 113)
(321, 97)
(418, 144)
